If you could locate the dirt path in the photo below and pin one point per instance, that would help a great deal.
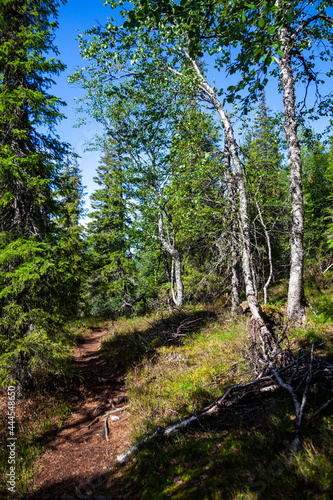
(78, 461)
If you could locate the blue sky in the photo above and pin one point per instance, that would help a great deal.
(75, 17)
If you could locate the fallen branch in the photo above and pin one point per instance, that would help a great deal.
(123, 408)
(93, 422)
(106, 427)
(280, 368)
(322, 408)
(124, 457)
(206, 412)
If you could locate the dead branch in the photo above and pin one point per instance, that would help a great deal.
(280, 368)
(93, 422)
(106, 427)
(206, 412)
(123, 408)
(322, 407)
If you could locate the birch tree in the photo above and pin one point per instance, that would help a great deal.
(139, 115)
(294, 36)
(176, 54)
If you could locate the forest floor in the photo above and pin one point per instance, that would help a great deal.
(78, 460)
(157, 369)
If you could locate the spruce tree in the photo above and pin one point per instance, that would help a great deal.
(35, 272)
(29, 158)
(267, 187)
(317, 182)
(111, 267)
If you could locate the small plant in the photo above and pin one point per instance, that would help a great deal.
(37, 419)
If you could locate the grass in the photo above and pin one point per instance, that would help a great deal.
(321, 307)
(242, 455)
(180, 379)
(37, 419)
(247, 459)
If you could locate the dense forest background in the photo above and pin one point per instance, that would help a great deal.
(206, 195)
(184, 212)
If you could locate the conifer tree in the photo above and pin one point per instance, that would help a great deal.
(267, 186)
(317, 182)
(29, 158)
(112, 270)
(36, 276)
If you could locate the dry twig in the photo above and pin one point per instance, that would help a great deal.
(274, 367)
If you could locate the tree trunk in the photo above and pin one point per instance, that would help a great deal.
(210, 93)
(244, 219)
(296, 298)
(176, 267)
(231, 197)
(24, 382)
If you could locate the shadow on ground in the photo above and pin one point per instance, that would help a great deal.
(127, 349)
(244, 454)
(240, 456)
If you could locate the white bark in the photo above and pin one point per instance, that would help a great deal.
(296, 300)
(231, 197)
(176, 265)
(210, 93)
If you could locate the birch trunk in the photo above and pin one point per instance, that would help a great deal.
(176, 266)
(243, 208)
(296, 299)
(231, 197)
(245, 226)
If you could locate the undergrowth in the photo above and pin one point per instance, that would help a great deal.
(37, 419)
(174, 364)
(244, 454)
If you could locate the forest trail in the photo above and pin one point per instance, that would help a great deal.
(78, 461)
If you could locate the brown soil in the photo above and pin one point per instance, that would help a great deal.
(79, 460)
